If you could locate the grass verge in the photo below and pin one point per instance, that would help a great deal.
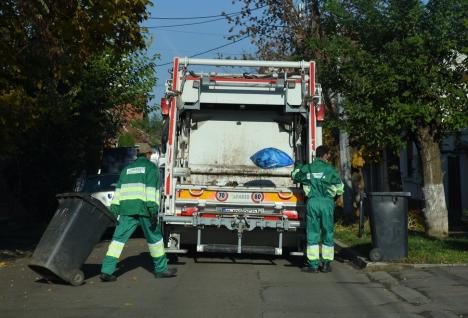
(421, 249)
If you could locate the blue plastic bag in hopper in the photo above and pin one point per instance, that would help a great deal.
(270, 158)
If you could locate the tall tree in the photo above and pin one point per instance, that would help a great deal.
(400, 65)
(279, 29)
(64, 65)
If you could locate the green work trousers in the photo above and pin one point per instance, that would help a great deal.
(127, 225)
(319, 224)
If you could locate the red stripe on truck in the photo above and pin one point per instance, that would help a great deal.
(172, 119)
(312, 110)
(239, 79)
(175, 73)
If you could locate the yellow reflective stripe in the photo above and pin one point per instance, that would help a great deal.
(306, 189)
(152, 195)
(328, 252)
(313, 252)
(133, 196)
(156, 249)
(116, 198)
(115, 249)
(138, 191)
(133, 185)
(336, 189)
(293, 174)
(339, 189)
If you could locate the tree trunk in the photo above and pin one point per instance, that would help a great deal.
(435, 212)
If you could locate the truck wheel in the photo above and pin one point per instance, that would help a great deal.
(375, 254)
(76, 278)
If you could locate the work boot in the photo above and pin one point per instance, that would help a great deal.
(107, 278)
(326, 268)
(170, 272)
(312, 270)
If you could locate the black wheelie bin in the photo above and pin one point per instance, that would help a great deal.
(388, 214)
(71, 235)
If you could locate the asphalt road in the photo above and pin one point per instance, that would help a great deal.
(229, 286)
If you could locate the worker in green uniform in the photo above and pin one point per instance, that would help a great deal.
(321, 184)
(136, 202)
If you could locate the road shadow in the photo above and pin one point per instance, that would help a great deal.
(227, 258)
(241, 259)
(130, 263)
(91, 270)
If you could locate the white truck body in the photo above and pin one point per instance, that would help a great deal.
(213, 195)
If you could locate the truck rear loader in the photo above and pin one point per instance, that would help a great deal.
(213, 195)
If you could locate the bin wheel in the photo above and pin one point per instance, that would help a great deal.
(76, 278)
(375, 254)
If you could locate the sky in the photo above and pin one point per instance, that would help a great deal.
(191, 39)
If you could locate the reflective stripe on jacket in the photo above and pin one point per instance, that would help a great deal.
(319, 178)
(137, 191)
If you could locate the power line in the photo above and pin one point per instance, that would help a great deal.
(196, 18)
(210, 50)
(194, 32)
(203, 17)
(183, 24)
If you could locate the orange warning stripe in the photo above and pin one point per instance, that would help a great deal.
(290, 197)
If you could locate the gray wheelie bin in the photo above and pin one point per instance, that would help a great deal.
(388, 214)
(71, 235)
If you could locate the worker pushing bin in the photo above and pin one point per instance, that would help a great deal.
(389, 225)
(76, 227)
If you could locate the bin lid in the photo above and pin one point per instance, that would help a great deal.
(86, 197)
(389, 194)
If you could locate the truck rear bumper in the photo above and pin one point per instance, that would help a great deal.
(235, 222)
(235, 234)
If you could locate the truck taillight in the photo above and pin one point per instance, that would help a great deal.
(188, 211)
(320, 112)
(164, 107)
(292, 215)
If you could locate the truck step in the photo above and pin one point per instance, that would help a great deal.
(176, 251)
(296, 253)
(227, 248)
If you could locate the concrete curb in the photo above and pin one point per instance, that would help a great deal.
(365, 264)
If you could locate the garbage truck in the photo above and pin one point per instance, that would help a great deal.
(213, 195)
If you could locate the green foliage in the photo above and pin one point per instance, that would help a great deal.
(152, 127)
(126, 140)
(421, 249)
(399, 65)
(68, 68)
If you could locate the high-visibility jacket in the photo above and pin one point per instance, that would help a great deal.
(319, 178)
(137, 191)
